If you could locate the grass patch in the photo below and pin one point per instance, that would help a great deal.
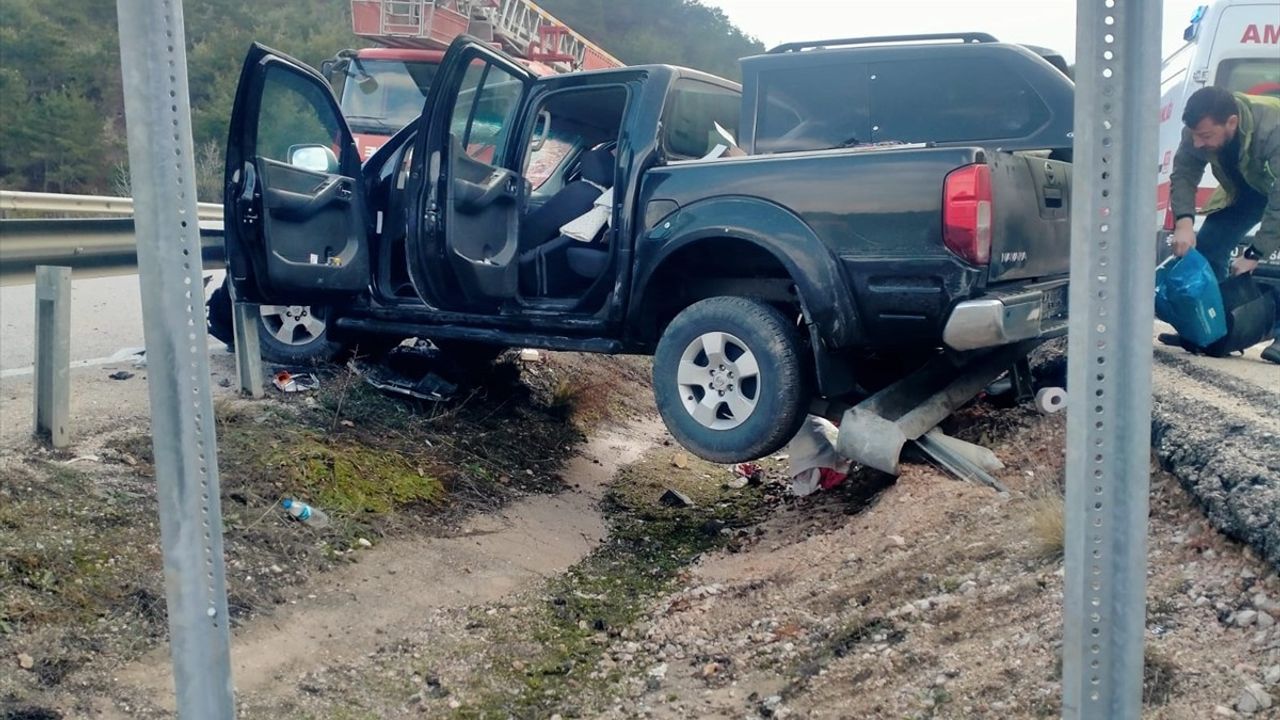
(1159, 678)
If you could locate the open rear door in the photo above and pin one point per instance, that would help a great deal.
(470, 192)
(296, 223)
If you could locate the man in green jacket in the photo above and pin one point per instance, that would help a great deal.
(1238, 136)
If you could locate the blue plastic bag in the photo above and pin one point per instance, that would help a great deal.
(1188, 298)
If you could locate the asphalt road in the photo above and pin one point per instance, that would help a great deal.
(106, 320)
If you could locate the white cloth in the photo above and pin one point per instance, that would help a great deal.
(812, 449)
(588, 225)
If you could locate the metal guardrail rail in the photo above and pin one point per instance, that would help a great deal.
(11, 200)
(91, 247)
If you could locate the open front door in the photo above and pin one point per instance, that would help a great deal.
(296, 225)
(469, 196)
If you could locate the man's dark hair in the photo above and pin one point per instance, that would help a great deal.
(1212, 102)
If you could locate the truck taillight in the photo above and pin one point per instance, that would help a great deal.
(1169, 222)
(966, 213)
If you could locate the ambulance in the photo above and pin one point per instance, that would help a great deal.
(1230, 43)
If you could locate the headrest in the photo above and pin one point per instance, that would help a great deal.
(597, 166)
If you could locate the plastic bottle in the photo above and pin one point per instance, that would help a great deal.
(304, 513)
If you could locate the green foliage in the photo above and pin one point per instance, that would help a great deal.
(61, 100)
(676, 32)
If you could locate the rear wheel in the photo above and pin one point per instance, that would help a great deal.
(729, 379)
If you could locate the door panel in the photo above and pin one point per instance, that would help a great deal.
(471, 190)
(296, 223)
(312, 230)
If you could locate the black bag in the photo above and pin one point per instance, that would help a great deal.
(1251, 315)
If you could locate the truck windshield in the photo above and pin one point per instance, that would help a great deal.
(393, 100)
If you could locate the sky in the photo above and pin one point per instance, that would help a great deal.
(1050, 23)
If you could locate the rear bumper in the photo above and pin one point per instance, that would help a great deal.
(1001, 318)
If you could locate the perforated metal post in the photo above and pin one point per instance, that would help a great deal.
(157, 111)
(1109, 371)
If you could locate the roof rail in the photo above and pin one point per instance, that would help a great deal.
(972, 37)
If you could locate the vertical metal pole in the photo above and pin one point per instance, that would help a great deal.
(53, 354)
(245, 318)
(1109, 371)
(153, 63)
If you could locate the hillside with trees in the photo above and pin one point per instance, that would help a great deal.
(60, 89)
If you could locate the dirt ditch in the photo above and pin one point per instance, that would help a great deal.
(81, 592)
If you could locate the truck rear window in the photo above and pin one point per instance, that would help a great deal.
(946, 100)
(952, 100)
(812, 108)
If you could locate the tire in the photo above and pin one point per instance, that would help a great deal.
(296, 335)
(287, 334)
(771, 403)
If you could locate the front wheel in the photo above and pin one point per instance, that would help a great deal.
(296, 334)
(287, 334)
(729, 379)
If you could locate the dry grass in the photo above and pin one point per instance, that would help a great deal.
(1048, 525)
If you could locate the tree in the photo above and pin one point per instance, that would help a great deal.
(61, 101)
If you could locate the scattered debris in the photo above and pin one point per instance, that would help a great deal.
(675, 498)
(362, 542)
(529, 355)
(895, 541)
(750, 473)
(120, 375)
(304, 513)
(288, 382)
(680, 460)
(429, 387)
(25, 661)
(408, 370)
(83, 458)
(1051, 400)
(962, 459)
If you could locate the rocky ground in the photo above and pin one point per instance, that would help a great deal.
(925, 598)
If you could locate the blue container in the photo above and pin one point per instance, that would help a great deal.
(1188, 298)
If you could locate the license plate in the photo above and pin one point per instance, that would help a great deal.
(1053, 306)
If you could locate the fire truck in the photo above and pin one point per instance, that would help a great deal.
(382, 89)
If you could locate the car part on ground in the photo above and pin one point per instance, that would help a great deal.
(874, 431)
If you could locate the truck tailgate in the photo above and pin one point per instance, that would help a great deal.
(1031, 217)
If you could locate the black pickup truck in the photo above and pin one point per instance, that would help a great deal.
(889, 200)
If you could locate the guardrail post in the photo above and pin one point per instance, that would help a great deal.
(153, 63)
(1109, 357)
(245, 318)
(53, 354)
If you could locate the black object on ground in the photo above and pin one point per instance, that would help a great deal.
(409, 370)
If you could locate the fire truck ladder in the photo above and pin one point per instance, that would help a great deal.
(519, 27)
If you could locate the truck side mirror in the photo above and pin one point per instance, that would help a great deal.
(316, 158)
